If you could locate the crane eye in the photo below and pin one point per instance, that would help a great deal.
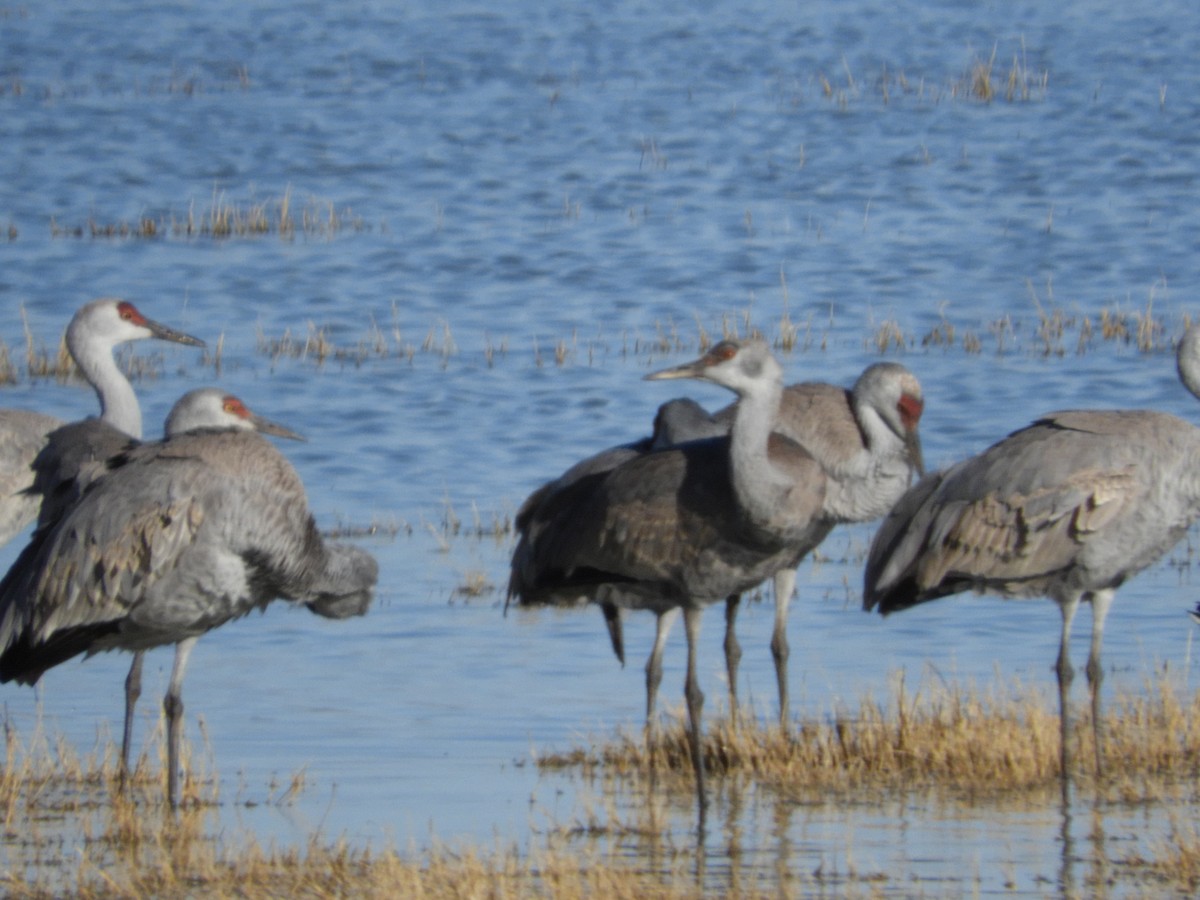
(235, 407)
(129, 313)
(725, 351)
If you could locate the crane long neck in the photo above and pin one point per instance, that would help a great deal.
(118, 403)
(756, 482)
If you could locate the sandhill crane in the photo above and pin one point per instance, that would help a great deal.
(176, 538)
(1067, 508)
(78, 453)
(93, 333)
(52, 460)
(686, 526)
(867, 442)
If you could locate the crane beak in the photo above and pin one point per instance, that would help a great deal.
(165, 333)
(693, 369)
(266, 426)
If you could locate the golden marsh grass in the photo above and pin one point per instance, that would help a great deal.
(69, 831)
(971, 744)
(223, 219)
(1049, 330)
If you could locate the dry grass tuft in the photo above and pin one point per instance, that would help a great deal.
(69, 831)
(888, 335)
(223, 220)
(1018, 84)
(391, 527)
(8, 369)
(969, 744)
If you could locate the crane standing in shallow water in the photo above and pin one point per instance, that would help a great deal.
(174, 539)
(685, 526)
(1068, 508)
(51, 462)
(867, 442)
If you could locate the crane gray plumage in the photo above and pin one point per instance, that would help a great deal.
(685, 526)
(1068, 508)
(71, 455)
(22, 436)
(92, 334)
(79, 453)
(675, 422)
(867, 441)
(176, 538)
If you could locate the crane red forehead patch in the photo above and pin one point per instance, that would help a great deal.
(910, 409)
(235, 407)
(130, 313)
(722, 352)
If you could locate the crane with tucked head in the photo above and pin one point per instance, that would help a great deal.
(171, 540)
(1069, 508)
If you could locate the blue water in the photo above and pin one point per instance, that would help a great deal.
(583, 181)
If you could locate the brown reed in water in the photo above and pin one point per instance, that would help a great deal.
(975, 747)
(1049, 333)
(225, 220)
(970, 744)
(129, 844)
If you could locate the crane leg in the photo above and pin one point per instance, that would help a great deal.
(785, 586)
(133, 690)
(616, 632)
(695, 705)
(173, 708)
(1066, 674)
(654, 663)
(733, 650)
(1101, 601)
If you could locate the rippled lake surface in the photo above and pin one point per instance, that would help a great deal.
(495, 222)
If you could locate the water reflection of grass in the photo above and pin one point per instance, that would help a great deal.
(70, 831)
(953, 747)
